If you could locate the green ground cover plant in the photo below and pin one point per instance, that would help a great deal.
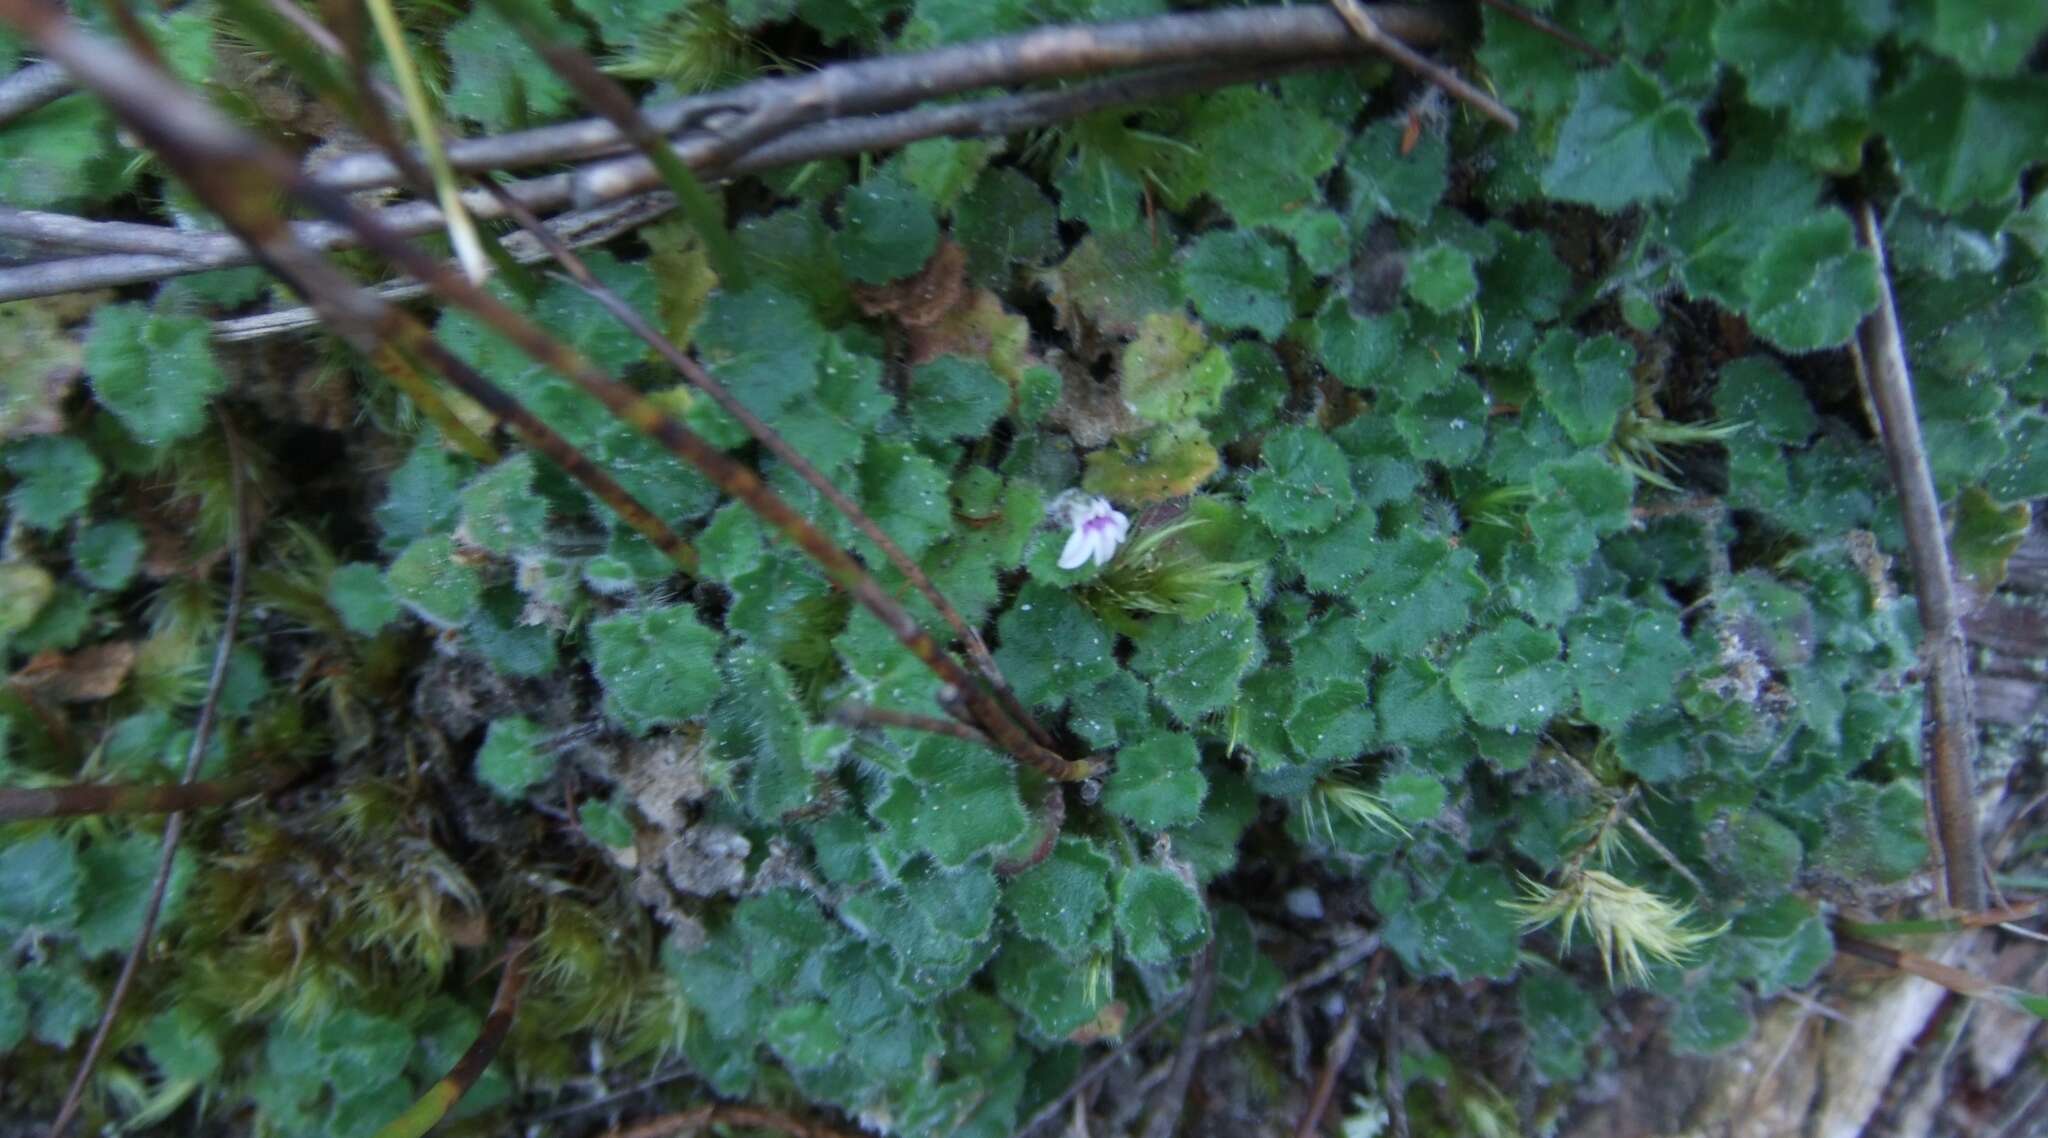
(1509, 551)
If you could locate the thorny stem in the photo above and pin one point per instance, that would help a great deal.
(174, 827)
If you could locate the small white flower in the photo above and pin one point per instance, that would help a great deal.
(1098, 529)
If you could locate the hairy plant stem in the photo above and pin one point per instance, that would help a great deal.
(431, 1107)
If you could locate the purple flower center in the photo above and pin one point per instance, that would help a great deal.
(1098, 523)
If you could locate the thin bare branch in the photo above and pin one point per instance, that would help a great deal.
(1172, 1096)
(31, 89)
(1951, 764)
(17, 803)
(866, 88)
(174, 827)
(1101, 1067)
(1340, 1050)
(233, 173)
(1549, 28)
(605, 181)
(675, 357)
(1367, 26)
(576, 229)
(705, 214)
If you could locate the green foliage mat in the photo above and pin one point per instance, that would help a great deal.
(1477, 483)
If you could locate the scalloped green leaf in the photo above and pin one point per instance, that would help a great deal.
(40, 878)
(1158, 783)
(1625, 660)
(1420, 588)
(500, 511)
(155, 371)
(1586, 383)
(499, 81)
(1812, 61)
(1043, 990)
(1005, 223)
(107, 554)
(1755, 390)
(1579, 500)
(1158, 915)
(887, 230)
(1445, 425)
(1810, 284)
(359, 596)
(512, 757)
(1510, 677)
(54, 477)
(1195, 666)
(1987, 37)
(955, 397)
(1238, 279)
(1058, 901)
(430, 578)
(1385, 182)
(1170, 372)
(1466, 931)
(1960, 141)
(1414, 703)
(958, 802)
(1334, 722)
(1263, 157)
(1305, 484)
(657, 665)
(1441, 279)
(1625, 142)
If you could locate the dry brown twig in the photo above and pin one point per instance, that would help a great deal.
(1374, 35)
(232, 173)
(175, 252)
(970, 640)
(1340, 1050)
(30, 89)
(862, 715)
(851, 108)
(18, 802)
(1172, 1096)
(174, 826)
(1879, 352)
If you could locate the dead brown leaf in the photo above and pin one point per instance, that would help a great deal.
(925, 298)
(78, 677)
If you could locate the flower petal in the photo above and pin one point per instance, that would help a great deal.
(1079, 548)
